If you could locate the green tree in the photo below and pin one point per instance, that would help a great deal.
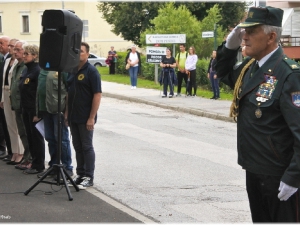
(208, 24)
(171, 20)
(174, 21)
(130, 19)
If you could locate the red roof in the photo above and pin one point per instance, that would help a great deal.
(292, 52)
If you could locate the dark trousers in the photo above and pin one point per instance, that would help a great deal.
(22, 134)
(180, 77)
(112, 67)
(214, 85)
(35, 140)
(4, 135)
(192, 83)
(264, 203)
(83, 144)
(167, 81)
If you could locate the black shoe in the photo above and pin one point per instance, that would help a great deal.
(213, 97)
(163, 96)
(216, 98)
(32, 171)
(3, 154)
(78, 179)
(51, 174)
(87, 182)
(7, 159)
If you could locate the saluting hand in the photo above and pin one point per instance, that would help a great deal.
(234, 39)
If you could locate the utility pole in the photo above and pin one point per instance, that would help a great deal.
(62, 5)
(215, 36)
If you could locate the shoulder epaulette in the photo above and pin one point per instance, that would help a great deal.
(292, 64)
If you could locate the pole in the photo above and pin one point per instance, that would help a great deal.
(62, 4)
(156, 74)
(215, 36)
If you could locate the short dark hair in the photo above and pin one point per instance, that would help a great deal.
(182, 44)
(86, 45)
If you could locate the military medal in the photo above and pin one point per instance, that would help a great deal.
(258, 113)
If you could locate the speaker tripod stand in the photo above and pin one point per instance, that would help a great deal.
(58, 168)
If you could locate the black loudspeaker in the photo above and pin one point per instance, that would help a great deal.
(60, 40)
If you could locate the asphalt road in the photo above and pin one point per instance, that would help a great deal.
(170, 166)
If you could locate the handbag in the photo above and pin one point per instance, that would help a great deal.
(127, 66)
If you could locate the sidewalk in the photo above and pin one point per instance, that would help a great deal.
(215, 109)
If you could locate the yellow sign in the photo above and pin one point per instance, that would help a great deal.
(81, 77)
(26, 81)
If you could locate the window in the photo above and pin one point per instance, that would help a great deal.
(25, 23)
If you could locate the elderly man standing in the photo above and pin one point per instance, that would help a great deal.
(266, 106)
(15, 103)
(4, 135)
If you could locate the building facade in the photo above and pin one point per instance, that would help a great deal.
(22, 19)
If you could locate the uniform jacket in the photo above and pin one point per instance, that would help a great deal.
(28, 86)
(269, 142)
(14, 86)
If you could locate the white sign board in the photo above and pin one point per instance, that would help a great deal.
(155, 54)
(165, 38)
(207, 34)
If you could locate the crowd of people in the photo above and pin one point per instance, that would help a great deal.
(29, 97)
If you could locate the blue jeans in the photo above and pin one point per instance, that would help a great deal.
(83, 145)
(214, 85)
(50, 123)
(133, 72)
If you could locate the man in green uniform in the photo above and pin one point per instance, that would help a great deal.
(266, 106)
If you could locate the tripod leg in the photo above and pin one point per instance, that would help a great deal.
(39, 181)
(62, 173)
(71, 180)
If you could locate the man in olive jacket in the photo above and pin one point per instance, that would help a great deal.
(15, 103)
(267, 108)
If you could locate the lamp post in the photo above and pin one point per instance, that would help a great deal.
(62, 5)
(215, 36)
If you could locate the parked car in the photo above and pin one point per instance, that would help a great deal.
(96, 60)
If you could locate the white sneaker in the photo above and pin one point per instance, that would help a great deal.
(134, 87)
(131, 87)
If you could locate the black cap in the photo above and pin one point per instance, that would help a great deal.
(263, 15)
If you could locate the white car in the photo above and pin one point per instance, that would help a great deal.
(96, 60)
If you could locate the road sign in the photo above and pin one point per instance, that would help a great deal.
(207, 34)
(155, 54)
(165, 38)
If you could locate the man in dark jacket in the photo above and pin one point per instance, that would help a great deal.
(4, 135)
(267, 108)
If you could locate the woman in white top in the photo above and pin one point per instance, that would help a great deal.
(190, 69)
(133, 58)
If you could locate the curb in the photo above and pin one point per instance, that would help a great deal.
(175, 108)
